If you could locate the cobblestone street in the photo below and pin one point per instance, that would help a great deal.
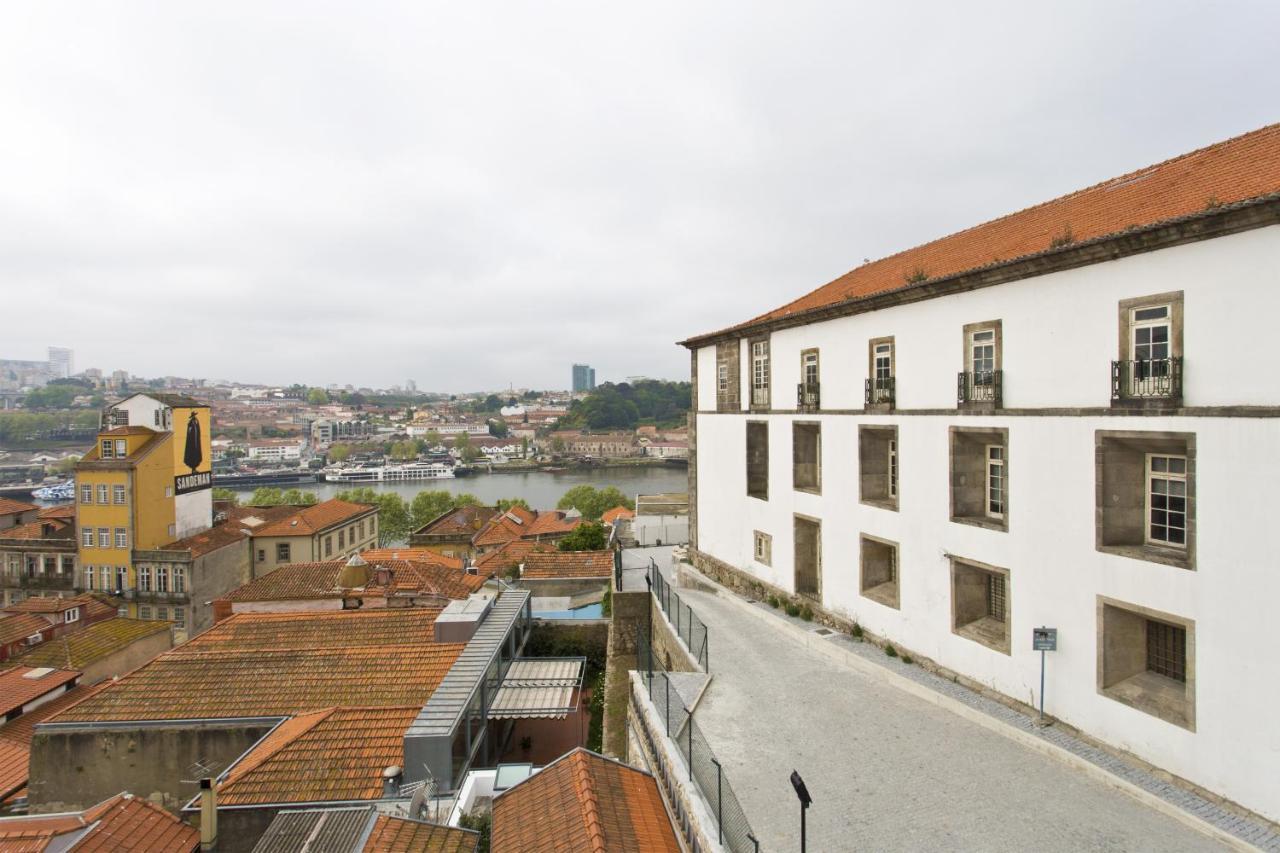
(888, 770)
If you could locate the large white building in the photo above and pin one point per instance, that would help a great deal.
(1068, 417)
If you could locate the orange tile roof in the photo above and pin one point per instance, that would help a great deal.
(65, 511)
(15, 740)
(324, 756)
(41, 528)
(17, 690)
(512, 524)
(58, 604)
(421, 555)
(511, 554)
(402, 835)
(583, 802)
(305, 581)
(463, 521)
(1239, 169)
(19, 626)
(314, 519)
(122, 824)
(274, 664)
(612, 515)
(551, 522)
(568, 564)
(207, 541)
(93, 643)
(8, 506)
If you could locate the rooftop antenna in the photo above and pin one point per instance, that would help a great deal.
(203, 768)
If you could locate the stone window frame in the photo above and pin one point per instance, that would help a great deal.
(997, 358)
(878, 592)
(728, 358)
(893, 369)
(1126, 307)
(815, 489)
(1145, 442)
(762, 556)
(814, 520)
(764, 426)
(1140, 696)
(979, 436)
(961, 566)
(801, 404)
(893, 495)
(765, 339)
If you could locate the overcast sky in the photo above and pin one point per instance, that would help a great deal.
(473, 195)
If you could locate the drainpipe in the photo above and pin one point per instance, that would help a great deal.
(208, 815)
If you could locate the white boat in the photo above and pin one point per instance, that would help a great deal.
(57, 492)
(407, 473)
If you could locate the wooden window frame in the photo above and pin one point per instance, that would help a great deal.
(1170, 477)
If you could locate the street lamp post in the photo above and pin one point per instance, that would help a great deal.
(803, 793)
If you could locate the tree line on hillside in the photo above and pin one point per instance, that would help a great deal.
(626, 405)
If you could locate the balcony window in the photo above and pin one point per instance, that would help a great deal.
(144, 579)
(760, 374)
(88, 577)
(162, 578)
(880, 384)
(808, 396)
(1149, 368)
(981, 383)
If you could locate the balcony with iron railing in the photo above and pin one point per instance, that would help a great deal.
(1146, 382)
(980, 389)
(808, 397)
(879, 392)
(55, 580)
(759, 397)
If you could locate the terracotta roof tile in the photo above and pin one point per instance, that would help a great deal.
(1238, 169)
(92, 643)
(612, 515)
(551, 522)
(208, 541)
(16, 689)
(8, 506)
(41, 528)
(568, 564)
(122, 824)
(402, 835)
(421, 555)
(512, 524)
(583, 802)
(19, 626)
(306, 581)
(463, 521)
(511, 554)
(314, 519)
(273, 664)
(330, 755)
(64, 511)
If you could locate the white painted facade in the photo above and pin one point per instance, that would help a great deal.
(1059, 336)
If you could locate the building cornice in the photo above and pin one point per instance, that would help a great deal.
(1220, 221)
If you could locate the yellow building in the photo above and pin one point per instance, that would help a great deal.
(147, 482)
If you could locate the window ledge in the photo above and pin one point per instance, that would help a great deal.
(885, 593)
(1156, 695)
(1001, 525)
(882, 503)
(809, 490)
(989, 632)
(764, 498)
(1152, 554)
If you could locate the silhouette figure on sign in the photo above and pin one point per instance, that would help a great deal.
(192, 454)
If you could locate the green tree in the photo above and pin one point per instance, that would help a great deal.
(498, 428)
(64, 466)
(585, 537)
(429, 504)
(339, 452)
(504, 504)
(220, 494)
(432, 438)
(317, 397)
(461, 442)
(593, 502)
(52, 397)
(297, 497)
(395, 523)
(266, 496)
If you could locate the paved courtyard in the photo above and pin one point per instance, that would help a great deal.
(887, 770)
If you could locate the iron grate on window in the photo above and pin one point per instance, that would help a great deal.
(1167, 650)
(996, 605)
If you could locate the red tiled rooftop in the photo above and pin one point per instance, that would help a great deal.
(583, 802)
(511, 554)
(463, 521)
(541, 565)
(208, 541)
(18, 626)
(15, 740)
(8, 506)
(16, 689)
(315, 518)
(612, 515)
(402, 835)
(1236, 170)
(306, 581)
(122, 824)
(551, 522)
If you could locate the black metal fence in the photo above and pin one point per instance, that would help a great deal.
(808, 397)
(688, 626)
(983, 386)
(1146, 378)
(705, 770)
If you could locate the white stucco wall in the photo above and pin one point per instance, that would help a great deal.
(1060, 333)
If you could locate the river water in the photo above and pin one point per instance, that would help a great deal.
(539, 488)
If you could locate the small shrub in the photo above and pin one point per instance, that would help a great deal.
(792, 609)
(606, 604)
(890, 650)
(773, 602)
(908, 659)
(1211, 202)
(1066, 238)
(806, 614)
(856, 633)
(916, 276)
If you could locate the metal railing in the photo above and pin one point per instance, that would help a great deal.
(681, 616)
(808, 397)
(1145, 379)
(759, 397)
(705, 770)
(879, 392)
(984, 386)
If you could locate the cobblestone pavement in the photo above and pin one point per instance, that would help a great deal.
(887, 770)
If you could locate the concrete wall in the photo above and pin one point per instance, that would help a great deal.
(1059, 333)
(213, 575)
(129, 658)
(71, 770)
(240, 829)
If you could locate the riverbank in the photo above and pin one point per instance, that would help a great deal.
(522, 467)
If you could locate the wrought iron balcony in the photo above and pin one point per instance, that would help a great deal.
(61, 580)
(980, 388)
(760, 397)
(808, 397)
(1147, 379)
(879, 392)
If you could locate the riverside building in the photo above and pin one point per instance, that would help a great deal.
(1060, 418)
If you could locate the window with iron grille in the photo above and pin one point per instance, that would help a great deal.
(1167, 650)
(997, 604)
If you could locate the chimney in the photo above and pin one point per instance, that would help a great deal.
(354, 574)
(208, 815)
(391, 779)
